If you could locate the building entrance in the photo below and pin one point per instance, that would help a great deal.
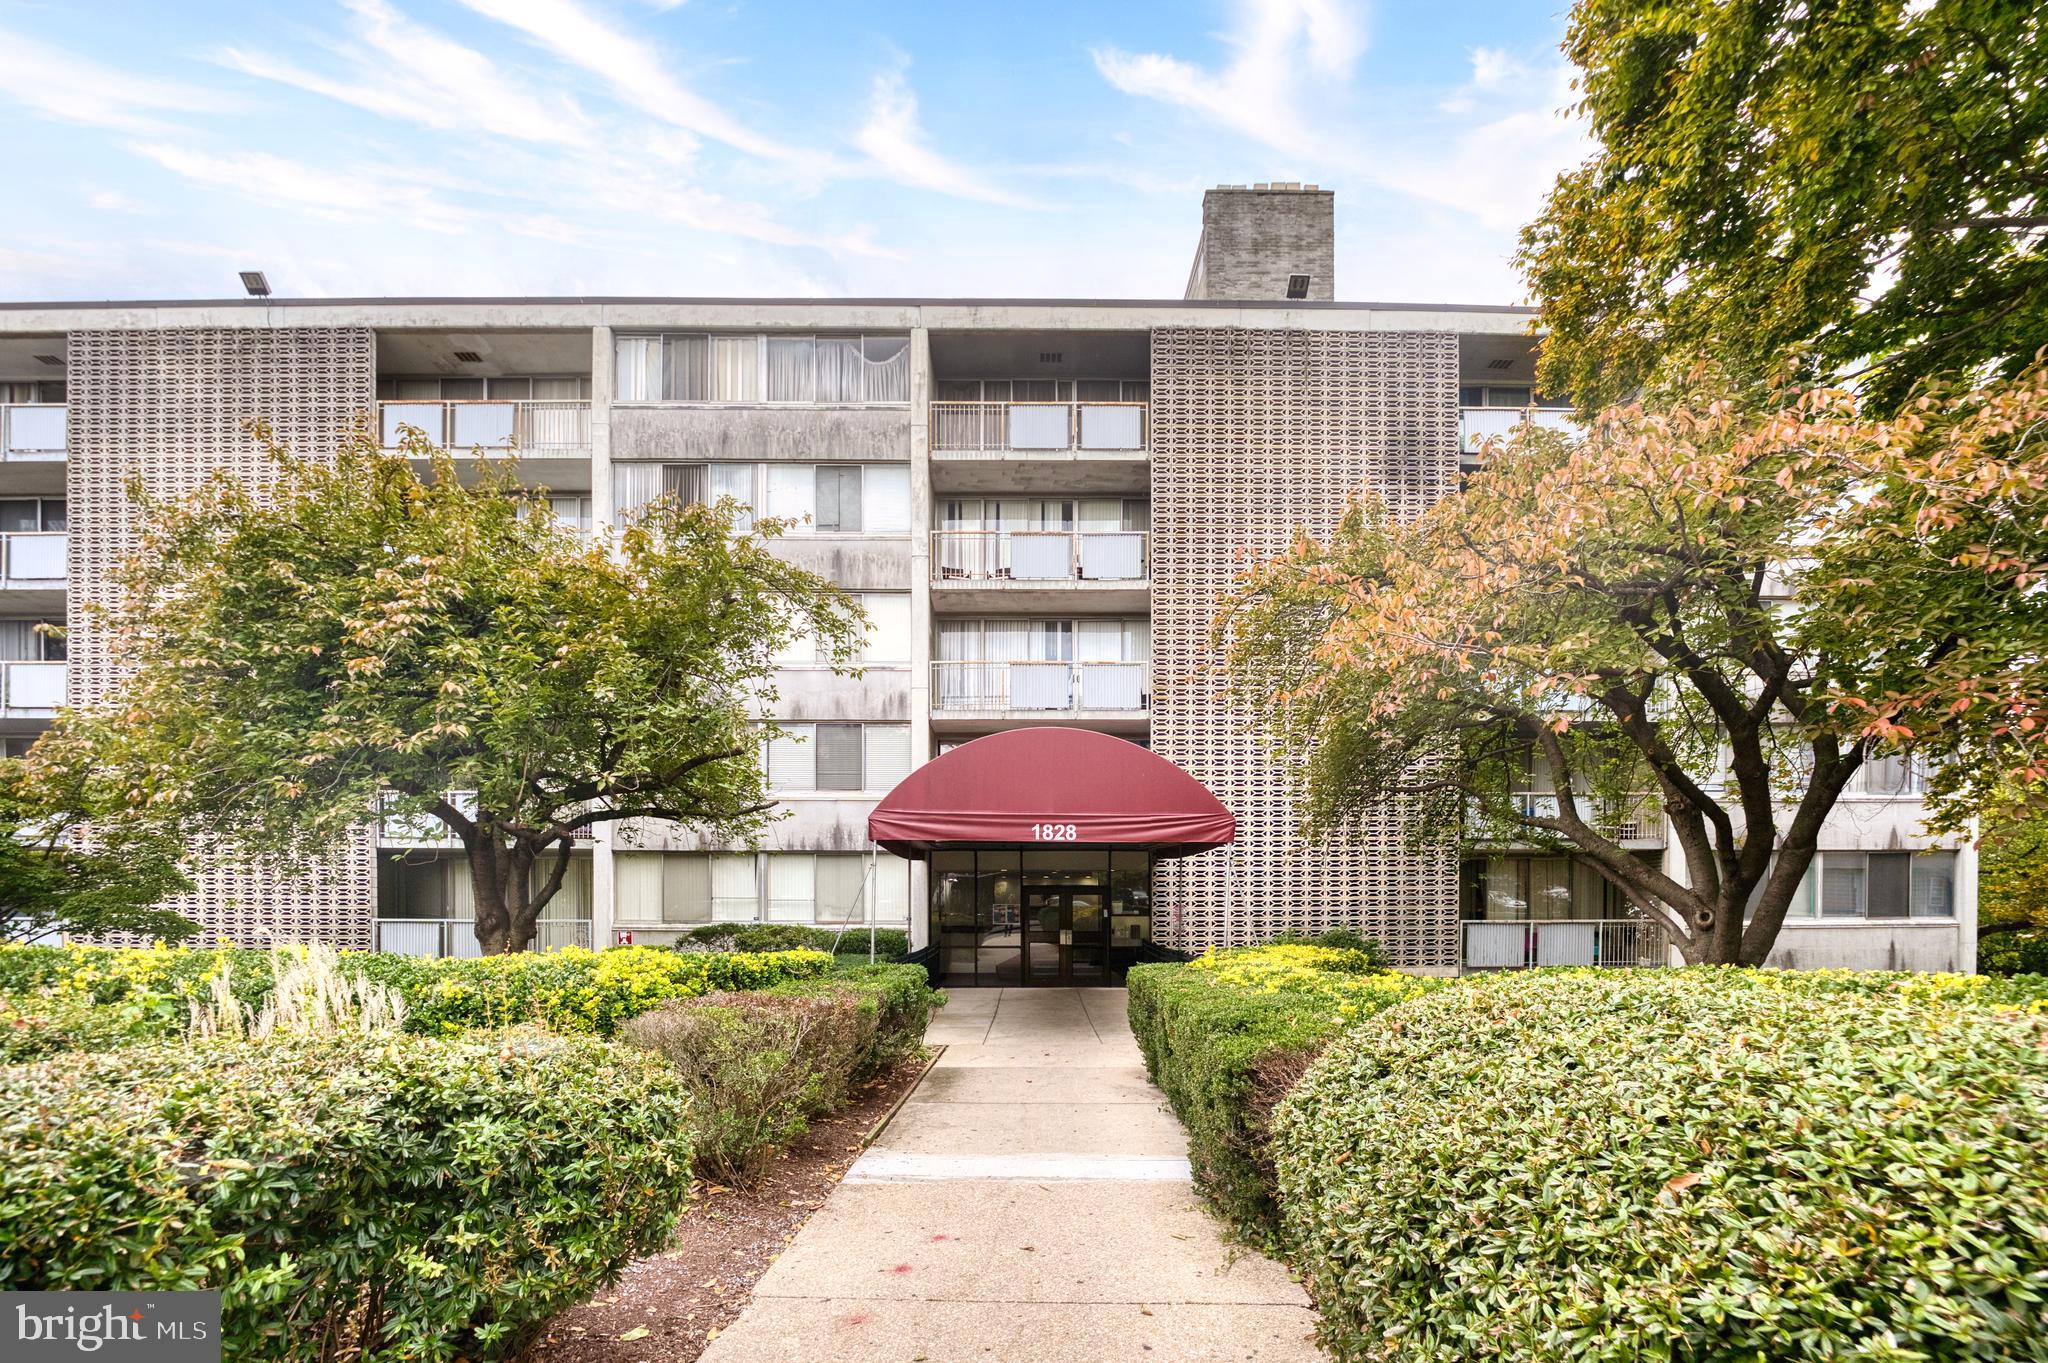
(1066, 935)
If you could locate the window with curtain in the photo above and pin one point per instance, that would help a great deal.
(735, 891)
(792, 887)
(684, 482)
(840, 882)
(737, 482)
(686, 368)
(887, 365)
(840, 368)
(792, 369)
(634, 486)
(637, 369)
(885, 499)
(839, 751)
(736, 368)
(885, 755)
(21, 641)
(888, 627)
(708, 367)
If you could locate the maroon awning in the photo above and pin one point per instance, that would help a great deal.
(1055, 787)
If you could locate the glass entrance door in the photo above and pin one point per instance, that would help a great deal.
(1066, 935)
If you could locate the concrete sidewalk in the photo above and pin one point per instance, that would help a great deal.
(1030, 1200)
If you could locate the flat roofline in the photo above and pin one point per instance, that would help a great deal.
(653, 300)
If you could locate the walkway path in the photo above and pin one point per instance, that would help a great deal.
(1030, 1201)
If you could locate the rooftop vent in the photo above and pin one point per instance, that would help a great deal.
(1051, 356)
(255, 284)
(49, 359)
(1505, 363)
(469, 357)
(1297, 286)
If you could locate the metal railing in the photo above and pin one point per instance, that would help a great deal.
(1634, 818)
(1510, 944)
(30, 689)
(492, 424)
(1477, 425)
(1040, 556)
(32, 431)
(457, 936)
(33, 558)
(999, 687)
(1044, 429)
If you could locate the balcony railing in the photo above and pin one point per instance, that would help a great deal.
(1038, 429)
(1039, 556)
(31, 690)
(33, 558)
(1000, 687)
(457, 936)
(1477, 425)
(32, 431)
(1633, 818)
(1507, 944)
(531, 427)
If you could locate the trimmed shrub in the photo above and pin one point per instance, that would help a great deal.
(571, 990)
(900, 997)
(1701, 1164)
(1227, 1035)
(421, 1199)
(1342, 939)
(891, 944)
(757, 1067)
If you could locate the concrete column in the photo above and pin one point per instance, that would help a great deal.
(920, 598)
(1966, 903)
(603, 884)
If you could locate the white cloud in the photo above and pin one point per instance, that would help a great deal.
(894, 141)
(72, 89)
(408, 71)
(365, 193)
(113, 201)
(633, 69)
(1276, 45)
(1500, 170)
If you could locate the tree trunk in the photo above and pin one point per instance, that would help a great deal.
(505, 911)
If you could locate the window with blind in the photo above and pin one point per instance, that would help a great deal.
(808, 758)
(1877, 885)
(802, 370)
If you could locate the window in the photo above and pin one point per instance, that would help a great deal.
(708, 367)
(1519, 888)
(635, 485)
(831, 888)
(838, 756)
(792, 887)
(735, 890)
(888, 627)
(1895, 774)
(838, 498)
(20, 515)
(31, 641)
(1876, 885)
(650, 887)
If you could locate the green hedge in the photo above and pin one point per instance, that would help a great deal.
(1227, 1035)
(570, 990)
(890, 944)
(900, 998)
(449, 1196)
(1687, 1164)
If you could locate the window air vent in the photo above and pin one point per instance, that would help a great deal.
(1507, 363)
(469, 357)
(1051, 356)
(48, 359)
(1297, 286)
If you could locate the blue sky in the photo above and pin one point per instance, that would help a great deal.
(371, 147)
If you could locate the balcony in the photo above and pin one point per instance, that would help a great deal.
(34, 559)
(557, 428)
(30, 690)
(1039, 570)
(32, 432)
(1114, 696)
(457, 936)
(1635, 822)
(1525, 943)
(1039, 430)
(1477, 425)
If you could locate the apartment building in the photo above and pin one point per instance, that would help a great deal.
(1037, 502)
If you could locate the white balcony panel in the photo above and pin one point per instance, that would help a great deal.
(34, 432)
(1113, 557)
(489, 424)
(404, 938)
(1113, 686)
(35, 686)
(1039, 426)
(426, 416)
(1490, 946)
(37, 557)
(1121, 427)
(1041, 557)
(1567, 943)
(1041, 686)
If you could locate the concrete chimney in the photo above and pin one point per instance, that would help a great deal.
(1267, 242)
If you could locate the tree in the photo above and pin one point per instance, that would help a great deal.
(357, 641)
(1812, 193)
(57, 877)
(1731, 614)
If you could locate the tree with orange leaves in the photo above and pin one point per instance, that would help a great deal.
(1732, 613)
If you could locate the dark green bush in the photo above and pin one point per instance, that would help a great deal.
(435, 1200)
(891, 944)
(1226, 1036)
(2014, 953)
(757, 1067)
(1690, 1164)
(1339, 939)
(570, 991)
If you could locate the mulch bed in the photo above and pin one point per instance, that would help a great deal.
(671, 1306)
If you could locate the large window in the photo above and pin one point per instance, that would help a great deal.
(701, 367)
(1876, 885)
(830, 888)
(977, 900)
(888, 632)
(32, 641)
(827, 757)
(1521, 888)
(844, 499)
